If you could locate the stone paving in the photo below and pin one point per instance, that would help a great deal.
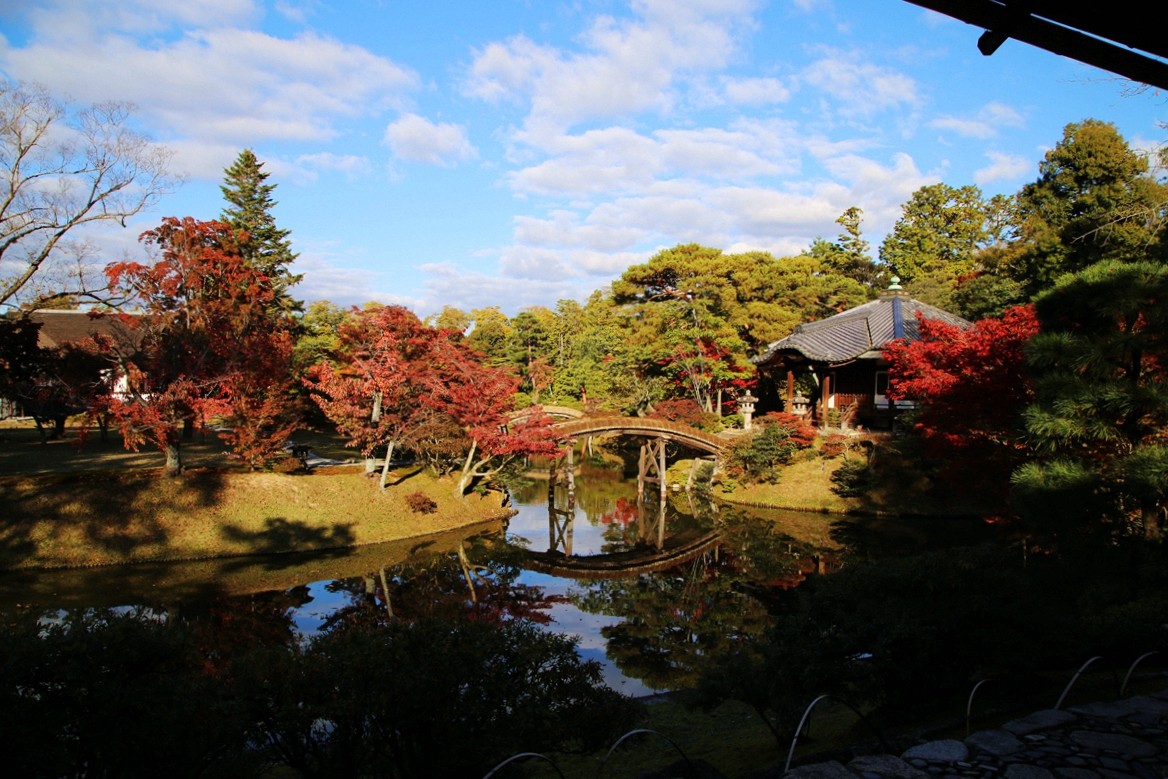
(1127, 738)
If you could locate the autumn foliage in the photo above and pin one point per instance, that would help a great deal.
(773, 442)
(973, 386)
(207, 343)
(687, 411)
(397, 382)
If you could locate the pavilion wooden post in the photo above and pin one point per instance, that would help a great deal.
(789, 407)
(824, 400)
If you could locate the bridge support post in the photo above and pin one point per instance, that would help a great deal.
(651, 466)
(567, 476)
(651, 527)
(560, 520)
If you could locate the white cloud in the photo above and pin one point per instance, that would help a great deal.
(755, 91)
(201, 160)
(618, 160)
(626, 66)
(214, 83)
(866, 177)
(858, 88)
(353, 166)
(416, 139)
(564, 229)
(986, 123)
(449, 285)
(507, 70)
(68, 22)
(1002, 167)
(612, 160)
(748, 149)
(342, 280)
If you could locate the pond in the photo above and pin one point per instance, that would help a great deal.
(650, 591)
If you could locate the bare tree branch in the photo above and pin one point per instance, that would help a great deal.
(61, 169)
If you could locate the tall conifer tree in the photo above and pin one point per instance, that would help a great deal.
(250, 204)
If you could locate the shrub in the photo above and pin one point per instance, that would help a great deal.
(436, 698)
(421, 504)
(775, 441)
(287, 464)
(800, 430)
(834, 445)
(853, 479)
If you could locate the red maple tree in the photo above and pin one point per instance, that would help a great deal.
(397, 381)
(973, 386)
(208, 342)
(366, 393)
(480, 398)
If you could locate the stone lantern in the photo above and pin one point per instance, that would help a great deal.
(746, 406)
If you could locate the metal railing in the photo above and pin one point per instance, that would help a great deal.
(804, 722)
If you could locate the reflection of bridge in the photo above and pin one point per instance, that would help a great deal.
(657, 434)
(651, 548)
(620, 565)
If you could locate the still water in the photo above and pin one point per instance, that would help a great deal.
(650, 591)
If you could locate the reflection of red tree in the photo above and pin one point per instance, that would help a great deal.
(625, 513)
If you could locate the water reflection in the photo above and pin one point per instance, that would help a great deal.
(649, 590)
(660, 586)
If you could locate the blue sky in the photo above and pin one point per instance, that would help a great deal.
(518, 152)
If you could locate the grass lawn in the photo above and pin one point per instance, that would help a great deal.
(67, 505)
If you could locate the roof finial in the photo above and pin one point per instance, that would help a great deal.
(895, 284)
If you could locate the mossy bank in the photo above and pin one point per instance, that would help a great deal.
(109, 518)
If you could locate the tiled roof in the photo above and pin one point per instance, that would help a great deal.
(62, 327)
(865, 328)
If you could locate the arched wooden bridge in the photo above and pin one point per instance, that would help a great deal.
(641, 426)
(556, 412)
(657, 434)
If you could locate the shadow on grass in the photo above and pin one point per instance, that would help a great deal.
(21, 452)
(281, 535)
(110, 513)
(406, 476)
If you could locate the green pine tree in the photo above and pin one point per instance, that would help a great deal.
(1100, 418)
(249, 209)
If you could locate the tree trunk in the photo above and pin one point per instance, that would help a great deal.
(385, 465)
(468, 470)
(173, 453)
(374, 417)
(1153, 528)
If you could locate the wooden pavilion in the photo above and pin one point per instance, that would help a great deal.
(833, 369)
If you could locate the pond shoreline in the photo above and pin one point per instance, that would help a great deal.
(99, 519)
